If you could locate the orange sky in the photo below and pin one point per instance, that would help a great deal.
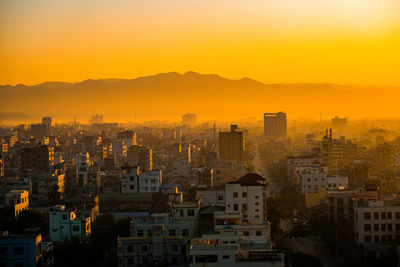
(341, 41)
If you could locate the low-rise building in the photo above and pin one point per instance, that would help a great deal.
(64, 224)
(17, 201)
(209, 252)
(21, 250)
(156, 241)
(377, 222)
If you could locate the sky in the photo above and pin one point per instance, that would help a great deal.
(273, 41)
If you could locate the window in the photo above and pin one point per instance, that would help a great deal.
(132, 187)
(139, 232)
(367, 227)
(376, 227)
(383, 237)
(130, 261)
(244, 207)
(244, 194)
(144, 248)
(174, 248)
(129, 248)
(376, 215)
(376, 239)
(18, 250)
(19, 264)
(389, 227)
(190, 212)
(220, 197)
(256, 203)
(389, 215)
(149, 233)
(367, 215)
(235, 207)
(340, 200)
(245, 233)
(397, 227)
(397, 215)
(257, 216)
(235, 194)
(383, 227)
(367, 239)
(258, 233)
(65, 217)
(75, 228)
(181, 212)
(131, 178)
(206, 258)
(225, 257)
(256, 196)
(172, 232)
(185, 232)
(383, 215)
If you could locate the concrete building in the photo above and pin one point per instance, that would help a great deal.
(37, 158)
(150, 182)
(17, 201)
(211, 252)
(129, 179)
(64, 224)
(21, 250)
(133, 181)
(227, 170)
(157, 241)
(275, 125)
(248, 196)
(141, 156)
(231, 145)
(340, 205)
(336, 182)
(377, 222)
(128, 138)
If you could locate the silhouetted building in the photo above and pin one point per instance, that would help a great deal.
(231, 145)
(189, 119)
(275, 125)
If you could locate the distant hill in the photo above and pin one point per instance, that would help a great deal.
(211, 96)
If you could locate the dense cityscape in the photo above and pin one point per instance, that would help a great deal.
(262, 192)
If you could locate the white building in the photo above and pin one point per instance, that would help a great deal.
(336, 182)
(377, 222)
(211, 197)
(310, 178)
(129, 179)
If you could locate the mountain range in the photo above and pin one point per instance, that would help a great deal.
(169, 95)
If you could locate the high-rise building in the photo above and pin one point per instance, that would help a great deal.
(48, 121)
(141, 156)
(231, 145)
(189, 119)
(38, 157)
(275, 125)
(128, 137)
(96, 119)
